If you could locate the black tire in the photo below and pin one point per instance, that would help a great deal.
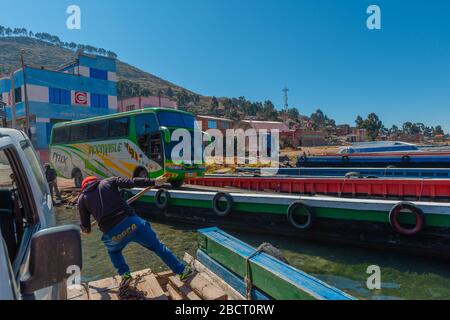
(310, 216)
(162, 199)
(177, 183)
(396, 211)
(140, 173)
(216, 204)
(78, 178)
(350, 175)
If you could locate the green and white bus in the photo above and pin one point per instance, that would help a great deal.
(129, 144)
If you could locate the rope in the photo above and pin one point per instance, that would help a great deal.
(128, 290)
(248, 280)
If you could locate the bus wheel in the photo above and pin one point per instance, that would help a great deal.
(176, 183)
(140, 173)
(78, 178)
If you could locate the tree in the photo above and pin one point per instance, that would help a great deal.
(269, 113)
(320, 121)
(373, 126)
(214, 103)
(359, 122)
(169, 92)
(293, 113)
(438, 130)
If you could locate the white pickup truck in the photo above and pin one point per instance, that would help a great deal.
(35, 256)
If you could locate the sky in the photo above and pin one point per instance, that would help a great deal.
(321, 50)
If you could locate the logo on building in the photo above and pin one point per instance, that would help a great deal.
(81, 98)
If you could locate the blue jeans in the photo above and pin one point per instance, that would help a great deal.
(135, 229)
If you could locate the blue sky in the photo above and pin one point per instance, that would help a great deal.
(320, 49)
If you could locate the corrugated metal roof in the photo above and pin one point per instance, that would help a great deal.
(268, 125)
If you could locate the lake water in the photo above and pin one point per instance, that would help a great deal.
(345, 267)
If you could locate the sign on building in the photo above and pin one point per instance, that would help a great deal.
(81, 98)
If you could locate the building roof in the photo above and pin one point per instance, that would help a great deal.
(214, 118)
(268, 125)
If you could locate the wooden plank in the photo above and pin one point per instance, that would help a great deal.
(77, 292)
(151, 287)
(163, 277)
(206, 289)
(104, 289)
(183, 288)
(212, 277)
(173, 293)
(233, 280)
(270, 275)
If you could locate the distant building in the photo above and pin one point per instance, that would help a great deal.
(357, 135)
(342, 130)
(136, 103)
(83, 88)
(287, 136)
(221, 124)
(310, 138)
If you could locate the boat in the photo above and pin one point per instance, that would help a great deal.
(416, 227)
(378, 146)
(255, 269)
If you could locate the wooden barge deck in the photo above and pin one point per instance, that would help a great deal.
(203, 285)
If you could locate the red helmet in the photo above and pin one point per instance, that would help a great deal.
(87, 181)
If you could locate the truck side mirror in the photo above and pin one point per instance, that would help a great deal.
(166, 134)
(52, 252)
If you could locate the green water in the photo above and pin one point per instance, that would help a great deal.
(402, 277)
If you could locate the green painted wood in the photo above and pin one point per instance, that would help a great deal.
(432, 220)
(278, 280)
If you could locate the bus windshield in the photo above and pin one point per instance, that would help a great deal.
(178, 120)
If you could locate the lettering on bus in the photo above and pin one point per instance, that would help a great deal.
(105, 149)
(58, 158)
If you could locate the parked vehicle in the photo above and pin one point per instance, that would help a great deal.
(130, 144)
(34, 254)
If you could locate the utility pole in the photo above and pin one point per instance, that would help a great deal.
(286, 103)
(13, 102)
(25, 91)
(3, 114)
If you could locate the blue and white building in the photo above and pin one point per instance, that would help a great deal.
(81, 89)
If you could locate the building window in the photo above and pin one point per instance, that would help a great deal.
(212, 124)
(59, 96)
(18, 94)
(129, 108)
(225, 125)
(99, 101)
(98, 74)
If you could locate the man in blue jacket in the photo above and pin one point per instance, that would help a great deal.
(120, 224)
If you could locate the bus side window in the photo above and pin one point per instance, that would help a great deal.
(98, 130)
(118, 127)
(78, 132)
(61, 135)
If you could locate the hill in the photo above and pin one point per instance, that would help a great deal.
(41, 53)
(43, 49)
